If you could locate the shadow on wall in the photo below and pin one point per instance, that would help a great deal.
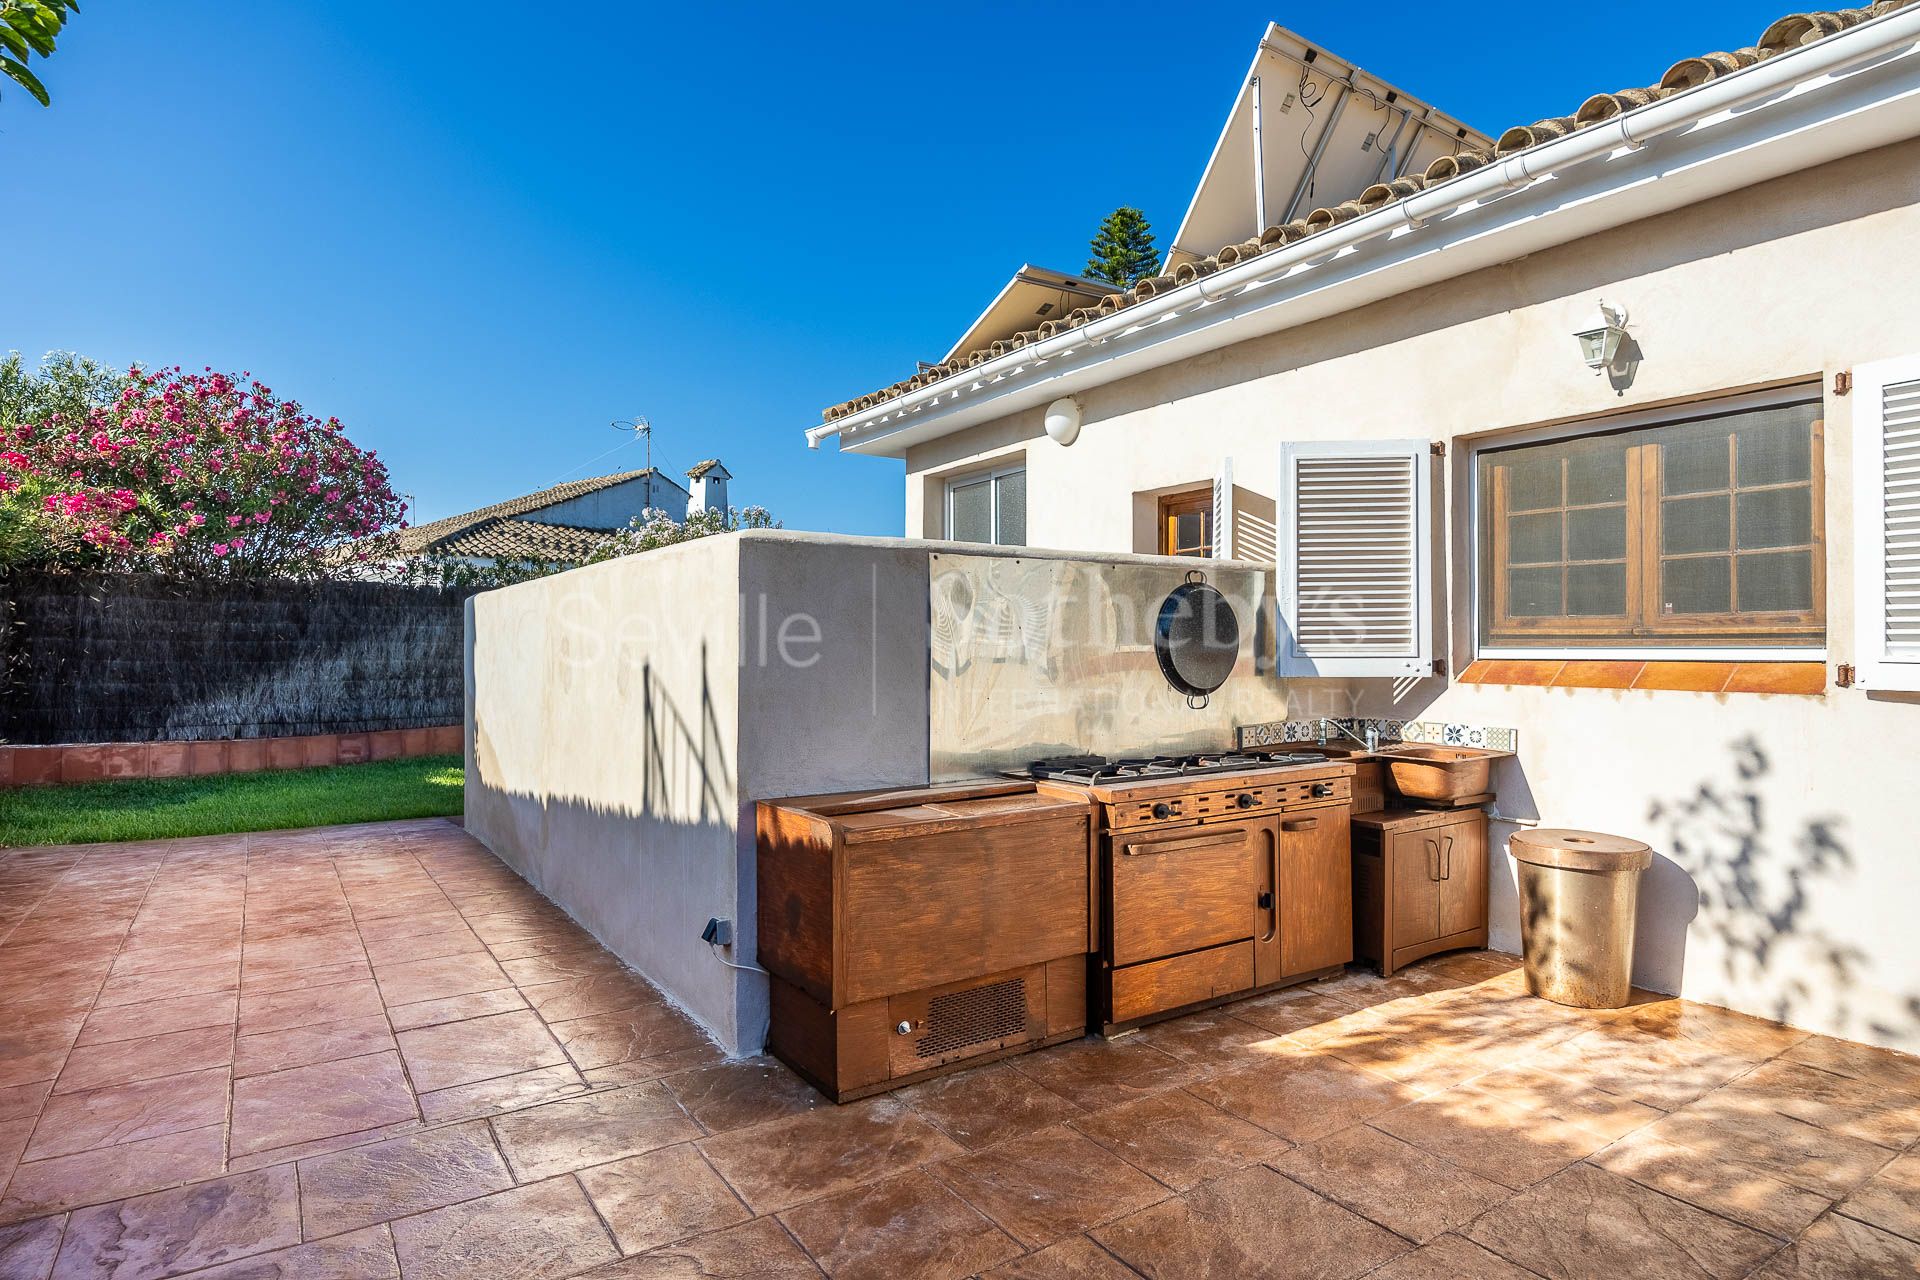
(1757, 888)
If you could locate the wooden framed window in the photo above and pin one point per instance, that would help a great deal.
(1707, 532)
(1186, 523)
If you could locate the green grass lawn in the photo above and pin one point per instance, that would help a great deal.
(149, 809)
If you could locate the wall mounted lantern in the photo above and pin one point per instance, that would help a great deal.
(1601, 344)
(1063, 420)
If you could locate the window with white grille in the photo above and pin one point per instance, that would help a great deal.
(1355, 559)
(1886, 449)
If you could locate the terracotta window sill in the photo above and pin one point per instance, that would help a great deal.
(1675, 677)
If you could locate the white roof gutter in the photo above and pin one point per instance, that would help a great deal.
(1847, 93)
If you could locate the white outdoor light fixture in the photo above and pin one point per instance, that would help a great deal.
(1063, 420)
(1599, 345)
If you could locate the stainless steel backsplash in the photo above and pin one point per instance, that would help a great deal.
(1039, 657)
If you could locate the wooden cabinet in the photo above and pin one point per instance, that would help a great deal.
(1419, 883)
(1316, 891)
(908, 931)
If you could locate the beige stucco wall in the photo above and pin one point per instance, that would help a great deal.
(1789, 866)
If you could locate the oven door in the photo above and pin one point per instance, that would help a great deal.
(1181, 890)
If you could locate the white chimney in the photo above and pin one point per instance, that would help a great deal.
(708, 487)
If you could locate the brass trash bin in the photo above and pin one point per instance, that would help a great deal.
(1578, 894)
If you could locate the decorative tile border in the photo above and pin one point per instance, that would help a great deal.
(1444, 733)
(107, 761)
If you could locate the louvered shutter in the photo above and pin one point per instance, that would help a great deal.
(1223, 545)
(1355, 553)
(1886, 507)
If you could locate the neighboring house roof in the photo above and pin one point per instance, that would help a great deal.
(1786, 34)
(503, 531)
(699, 469)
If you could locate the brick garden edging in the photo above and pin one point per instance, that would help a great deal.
(104, 761)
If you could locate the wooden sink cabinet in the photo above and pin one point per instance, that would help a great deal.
(1419, 884)
(907, 931)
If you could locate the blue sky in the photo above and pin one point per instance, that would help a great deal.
(477, 233)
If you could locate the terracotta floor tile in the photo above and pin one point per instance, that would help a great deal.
(587, 961)
(1450, 1258)
(758, 1250)
(659, 1066)
(804, 1157)
(733, 1095)
(1401, 1187)
(909, 1228)
(318, 1101)
(1094, 1073)
(988, 1104)
(165, 984)
(1489, 1136)
(1301, 1098)
(1179, 1140)
(1049, 1184)
(423, 946)
(1838, 1103)
(1721, 1030)
(1561, 1098)
(170, 1232)
(1890, 1200)
(27, 1249)
(1660, 1073)
(319, 1042)
(644, 1031)
(262, 1011)
(428, 1013)
(1075, 1258)
(538, 1232)
(363, 1255)
(108, 1173)
(1250, 1224)
(243, 1161)
(594, 1128)
(1837, 1248)
(573, 998)
(86, 1121)
(502, 1093)
(412, 981)
(1882, 1067)
(1793, 1151)
(401, 1176)
(198, 953)
(1586, 1222)
(661, 1196)
(125, 1061)
(457, 1053)
(1214, 1040)
(23, 1101)
(157, 1017)
(1730, 1190)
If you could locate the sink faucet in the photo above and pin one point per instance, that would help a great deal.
(1371, 742)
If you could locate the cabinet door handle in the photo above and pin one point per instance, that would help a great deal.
(1300, 824)
(1448, 874)
(1145, 848)
(1433, 860)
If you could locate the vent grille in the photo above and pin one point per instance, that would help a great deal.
(1901, 478)
(962, 1019)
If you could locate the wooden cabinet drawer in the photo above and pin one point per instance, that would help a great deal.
(1182, 890)
(1151, 988)
(928, 910)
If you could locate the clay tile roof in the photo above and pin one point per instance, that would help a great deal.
(502, 524)
(699, 469)
(1786, 33)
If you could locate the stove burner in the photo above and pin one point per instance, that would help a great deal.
(1089, 771)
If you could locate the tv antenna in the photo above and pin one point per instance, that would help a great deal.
(640, 427)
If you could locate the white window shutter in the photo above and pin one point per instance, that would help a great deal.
(1223, 547)
(1886, 518)
(1355, 559)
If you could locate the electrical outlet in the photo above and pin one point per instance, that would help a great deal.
(718, 932)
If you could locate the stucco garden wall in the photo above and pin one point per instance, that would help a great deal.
(1789, 863)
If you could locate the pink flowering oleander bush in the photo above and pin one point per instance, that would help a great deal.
(194, 474)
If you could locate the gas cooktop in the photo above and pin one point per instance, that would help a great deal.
(1093, 770)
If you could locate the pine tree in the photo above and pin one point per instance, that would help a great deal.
(1123, 252)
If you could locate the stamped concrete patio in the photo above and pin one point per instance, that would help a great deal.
(374, 1052)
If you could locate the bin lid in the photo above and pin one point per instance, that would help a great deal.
(1579, 850)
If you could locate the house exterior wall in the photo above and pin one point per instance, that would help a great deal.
(1787, 870)
(614, 507)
